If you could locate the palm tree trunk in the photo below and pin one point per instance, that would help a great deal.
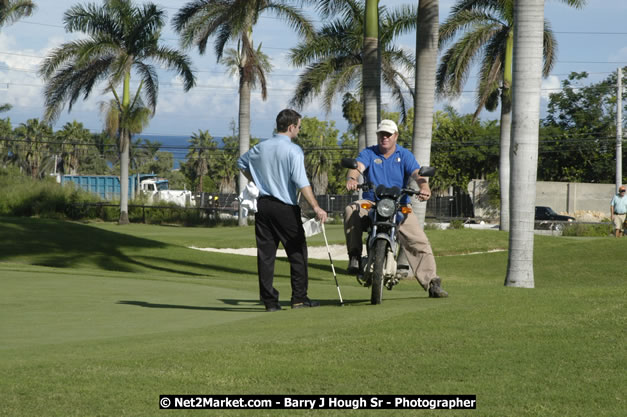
(506, 130)
(125, 144)
(370, 71)
(124, 163)
(426, 60)
(244, 138)
(504, 167)
(361, 138)
(527, 78)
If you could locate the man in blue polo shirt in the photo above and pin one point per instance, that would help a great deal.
(391, 165)
(277, 167)
(618, 210)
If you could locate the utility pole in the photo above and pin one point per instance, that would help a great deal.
(619, 130)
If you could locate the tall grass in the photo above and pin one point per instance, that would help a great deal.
(24, 196)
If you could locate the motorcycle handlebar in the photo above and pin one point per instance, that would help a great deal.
(404, 191)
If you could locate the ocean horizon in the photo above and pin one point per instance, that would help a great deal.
(178, 146)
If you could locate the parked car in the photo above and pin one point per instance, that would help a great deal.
(547, 218)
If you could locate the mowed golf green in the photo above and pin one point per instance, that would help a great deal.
(101, 319)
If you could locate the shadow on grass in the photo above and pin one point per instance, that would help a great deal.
(232, 305)
(61, 244)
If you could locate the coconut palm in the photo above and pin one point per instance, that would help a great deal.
(73, 139)
(33, 150)
(200, 149)
(224, 165)
(233, 20)
(122, 122)
(334, 59)
(123, 39)
(487, 28)
(527, 78)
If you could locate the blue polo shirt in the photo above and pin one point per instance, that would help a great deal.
(277, 166)
(619, 204)
(393, 171)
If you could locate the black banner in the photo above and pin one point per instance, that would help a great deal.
(319, 402)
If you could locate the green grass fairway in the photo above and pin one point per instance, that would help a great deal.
(100, 319)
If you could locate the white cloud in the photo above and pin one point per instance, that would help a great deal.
(550, 85)
(621, 55)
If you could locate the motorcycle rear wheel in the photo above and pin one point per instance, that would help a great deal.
(377, 276)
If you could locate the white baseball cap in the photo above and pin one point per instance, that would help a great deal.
(387, 126)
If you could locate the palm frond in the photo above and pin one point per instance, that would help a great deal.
(550, 49)
(13, 10)
(457, 61)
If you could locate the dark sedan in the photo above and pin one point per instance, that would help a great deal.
(547, 218)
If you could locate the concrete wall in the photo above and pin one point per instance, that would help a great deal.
(570, 197)
(560, 196)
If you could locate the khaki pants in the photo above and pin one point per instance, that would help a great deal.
(411, 237)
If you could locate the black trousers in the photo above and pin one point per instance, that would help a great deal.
(277, 222)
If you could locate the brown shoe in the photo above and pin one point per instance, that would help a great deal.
(435, 289)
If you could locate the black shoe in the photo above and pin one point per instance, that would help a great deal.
(308, 303)
(435, 289)
(273, 308)
(353, 265)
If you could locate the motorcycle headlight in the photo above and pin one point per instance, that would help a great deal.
(385, 207)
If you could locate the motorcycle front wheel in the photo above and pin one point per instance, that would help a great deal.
(380, 255)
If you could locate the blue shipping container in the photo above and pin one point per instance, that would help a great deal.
(105, 186)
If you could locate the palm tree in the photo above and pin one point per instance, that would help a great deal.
(143, 153)
(75, 135)
(224, 165)
(201, 146)
(125, 121)
(426, 60)
(371, 76)
(233, 20)
(33, 151)
(123, 39)
(6, 141)
(334, 61)
(488, 30)
(527, 78)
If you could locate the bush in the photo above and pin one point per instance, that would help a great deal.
(23, 196)
(456, 224)
(588, 230)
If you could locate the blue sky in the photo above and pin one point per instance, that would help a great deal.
(593, 39)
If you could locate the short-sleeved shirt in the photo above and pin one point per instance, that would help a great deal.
(277, 166)
(619, 204)
(393, 171)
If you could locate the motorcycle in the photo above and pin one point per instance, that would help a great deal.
(384, 218)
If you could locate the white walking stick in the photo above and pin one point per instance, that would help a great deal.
(332, 267)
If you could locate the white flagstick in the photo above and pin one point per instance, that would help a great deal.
(324, 233)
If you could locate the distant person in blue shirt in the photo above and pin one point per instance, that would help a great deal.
(391, 165)
(618, 210)
(277, 167)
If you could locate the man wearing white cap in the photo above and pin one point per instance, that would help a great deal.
(618, 210)
(391, 165)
